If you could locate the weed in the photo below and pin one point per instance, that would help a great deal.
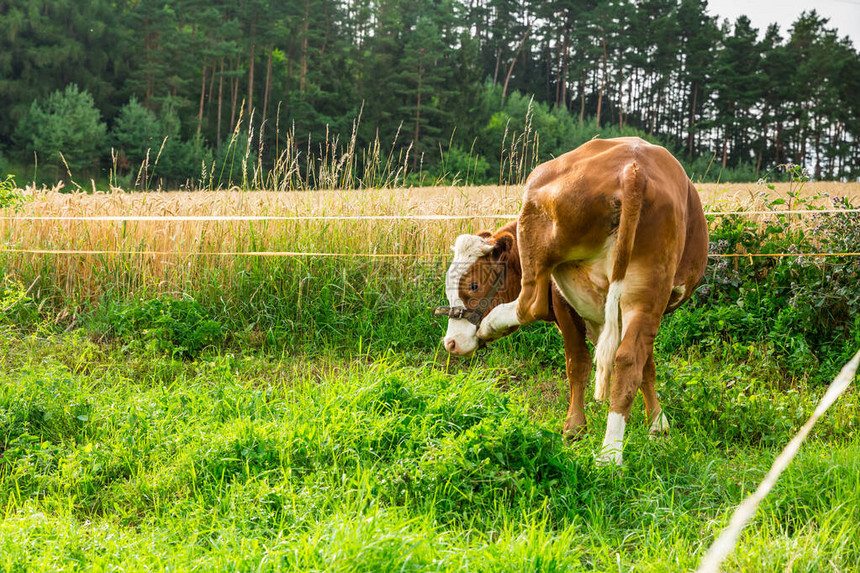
(11, 197)
(181, 327)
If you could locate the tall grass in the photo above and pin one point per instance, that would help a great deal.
(353, 299)
(165, 255)
(299, 162)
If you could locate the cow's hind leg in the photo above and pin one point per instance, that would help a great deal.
(637, 345)
(653, 410)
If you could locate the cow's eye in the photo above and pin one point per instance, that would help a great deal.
(473, 287)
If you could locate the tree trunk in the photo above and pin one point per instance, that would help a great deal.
(251, 77)
(691, 136)
(834, 142)
(602, 78)
(514, 61)
(621, 99)
(220, 102)
(211, 89)
(582, 98)
(202, 100)
(268, 89)
(417, 116)
(763, 148)
(804, 135)
(778, 143)
(235, 98)
(564, 64)
(303, 57)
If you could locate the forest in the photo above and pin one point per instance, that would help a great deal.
(89, 87)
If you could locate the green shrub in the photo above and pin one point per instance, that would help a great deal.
(462, 167)
(10, 196)
(16, 304)
(137, 133)
(804, 308)
(65, 122)
(179, 327)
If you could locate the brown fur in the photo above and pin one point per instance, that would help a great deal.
(570, 211)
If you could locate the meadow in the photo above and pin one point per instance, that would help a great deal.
(172, 408)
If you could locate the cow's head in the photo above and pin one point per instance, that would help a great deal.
(485, 273)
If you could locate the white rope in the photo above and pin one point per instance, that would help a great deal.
(725, 543)
(169, 218)
(150, 253)
(783, 212)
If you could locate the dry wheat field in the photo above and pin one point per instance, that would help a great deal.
(481, 206)
(169, 253)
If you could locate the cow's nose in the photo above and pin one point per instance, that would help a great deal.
(451, 345)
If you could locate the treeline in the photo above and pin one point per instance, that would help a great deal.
(439, 87)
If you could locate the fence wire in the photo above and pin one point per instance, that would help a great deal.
(725, 543)
(273, 254)
(260, 218)
(255, 218)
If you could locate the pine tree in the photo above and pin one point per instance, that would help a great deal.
(737, 88)
(64, 129)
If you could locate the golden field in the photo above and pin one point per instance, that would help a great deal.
(167, 253)
(484, 206)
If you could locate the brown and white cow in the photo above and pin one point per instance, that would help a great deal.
(611, 237)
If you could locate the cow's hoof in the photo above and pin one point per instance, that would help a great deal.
(575, 427)
(612, 458)
(659, 427)
(575, 432)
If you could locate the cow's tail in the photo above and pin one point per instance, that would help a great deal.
(633, 186)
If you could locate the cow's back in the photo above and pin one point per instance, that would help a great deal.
(579, 194)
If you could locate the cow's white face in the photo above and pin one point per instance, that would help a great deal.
(461, 338)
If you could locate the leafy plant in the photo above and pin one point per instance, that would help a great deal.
(802, 306)
(179, 327)
(462, 167)
(10, 196)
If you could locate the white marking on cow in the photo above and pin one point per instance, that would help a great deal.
(607, 344)
(467, 249)
(585, 305)
(501, 319)
(613, 441)
(676, 297)
(660, 425)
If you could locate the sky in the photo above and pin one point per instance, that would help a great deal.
(844, 15)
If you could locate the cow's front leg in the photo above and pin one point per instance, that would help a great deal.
(532, 305)
(500, 322)
(577, 364)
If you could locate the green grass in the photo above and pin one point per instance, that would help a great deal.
(298, 415)
(117, 456)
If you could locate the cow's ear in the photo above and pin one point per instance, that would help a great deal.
(504, 244)
(485, 234)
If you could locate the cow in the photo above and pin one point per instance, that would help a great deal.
(611, 236)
